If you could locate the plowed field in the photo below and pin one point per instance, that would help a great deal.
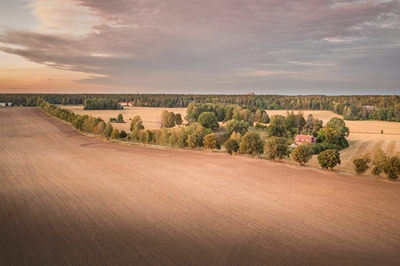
(68, 199)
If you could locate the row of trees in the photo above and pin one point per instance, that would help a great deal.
(381, 164)
(377, 107)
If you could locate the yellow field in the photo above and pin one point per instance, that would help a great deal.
(364, 137)
(151, 116)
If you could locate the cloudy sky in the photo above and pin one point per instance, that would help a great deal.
(209, 46)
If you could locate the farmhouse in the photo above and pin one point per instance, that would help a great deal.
(307, 139)
(127, 104)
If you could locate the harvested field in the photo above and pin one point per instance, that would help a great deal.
(68, 199)
(151, 116)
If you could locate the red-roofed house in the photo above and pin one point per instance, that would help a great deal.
(304, 139)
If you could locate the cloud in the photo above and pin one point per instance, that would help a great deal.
(179, 44)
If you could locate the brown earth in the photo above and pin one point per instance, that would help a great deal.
(68, 199)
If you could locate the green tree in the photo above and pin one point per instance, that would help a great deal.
(167, 119)
(120, 118)
(251, 144)
(115, 134)
(210, 141)
(361, 164)
(392, 168)
(276, 147)
(136, 123)
(136, 127)
(378, 162)
(123, 134)
(329, 159)
(208, 120)
(339, 125)
(277, 127)
(231, 146)
(178, 119)
(237, 126)
(301, 154)
(108, 130)
(330, 135)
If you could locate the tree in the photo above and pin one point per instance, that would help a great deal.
(167, 119)
(178, 119)
(231, 146)
(98, 129)
(115, 134)
(378, 162)
(136, 127)
(236, 136)
(123, 134)
(302, 154)
(120, 118)
(237, 126)
(208, 120)
(210, 141)
(392, 168)
(277, 127)
(136, 123)
(108, 130)
(339, 125)
(329, 159)
(330, 135)
(361, 164)
(276, 147)
(251, 144)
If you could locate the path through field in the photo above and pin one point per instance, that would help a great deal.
(68, 199)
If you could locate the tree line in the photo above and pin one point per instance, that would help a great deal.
(355, 107)
(380, 164)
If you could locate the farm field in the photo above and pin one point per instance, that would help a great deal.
(364, 137)
(151, 116)
(68, 199)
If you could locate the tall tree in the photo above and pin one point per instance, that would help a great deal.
(378, 162)
(392, 168)
(251, 144)
(276, 147)
(208, 120)
(329, 159)
(108, 130)
(210, 141)
(301, 154)
(361, 164)
(277, 127)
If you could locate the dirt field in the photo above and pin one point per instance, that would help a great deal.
(364, 137)
(68, 199)
(151, 116)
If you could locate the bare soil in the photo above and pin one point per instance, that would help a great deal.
(68, 199)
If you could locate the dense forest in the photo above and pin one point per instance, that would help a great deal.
(355, 107)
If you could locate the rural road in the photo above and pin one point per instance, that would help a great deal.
(68, 199)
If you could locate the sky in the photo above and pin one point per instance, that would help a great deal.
(188, 46)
